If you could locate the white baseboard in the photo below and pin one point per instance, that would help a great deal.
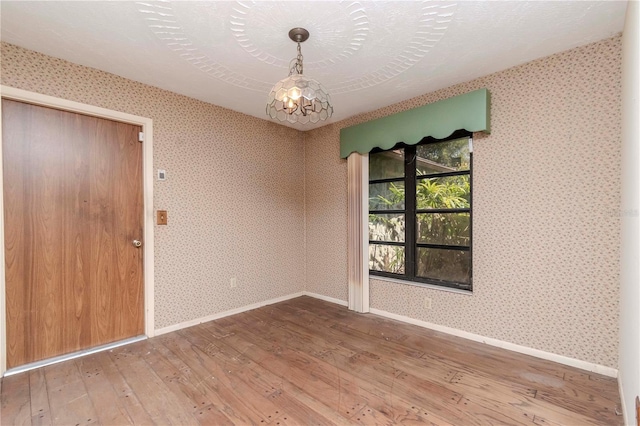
(561, 359)
(219, 315)
(325, 298)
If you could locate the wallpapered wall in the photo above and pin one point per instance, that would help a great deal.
(232, 181)
(546, 215)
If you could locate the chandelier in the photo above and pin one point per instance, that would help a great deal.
(297, 98)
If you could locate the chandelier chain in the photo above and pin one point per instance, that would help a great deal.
(297, 65)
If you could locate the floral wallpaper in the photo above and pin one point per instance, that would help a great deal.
(546, 215)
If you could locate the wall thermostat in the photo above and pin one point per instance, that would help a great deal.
(162, 174)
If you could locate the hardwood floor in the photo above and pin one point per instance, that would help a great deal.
(305, 362)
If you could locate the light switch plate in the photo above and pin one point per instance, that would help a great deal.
(161, 218)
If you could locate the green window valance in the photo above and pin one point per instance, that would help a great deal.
(440, 119)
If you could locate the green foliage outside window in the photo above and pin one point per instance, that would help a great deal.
(441, 228)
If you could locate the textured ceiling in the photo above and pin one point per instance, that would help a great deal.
(367, 54)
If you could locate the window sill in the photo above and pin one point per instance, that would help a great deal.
(417, 284)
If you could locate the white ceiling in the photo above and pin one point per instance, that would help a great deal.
(367, 54)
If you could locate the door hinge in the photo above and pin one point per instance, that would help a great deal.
(141, 137)
(470, 145)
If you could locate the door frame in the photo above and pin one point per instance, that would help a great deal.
(147, 171)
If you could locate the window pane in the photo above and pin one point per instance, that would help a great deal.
(386, 227)
(386, 196)
(442, 157)
(387, 164)
(445, 265)
(386, 258)
(450, 192)
(443, 228)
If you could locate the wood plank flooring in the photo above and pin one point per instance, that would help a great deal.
(308, 362)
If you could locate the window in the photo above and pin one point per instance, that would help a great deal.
(420, 212)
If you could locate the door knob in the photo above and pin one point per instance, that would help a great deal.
(137, 243)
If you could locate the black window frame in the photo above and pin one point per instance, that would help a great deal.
(410, 180)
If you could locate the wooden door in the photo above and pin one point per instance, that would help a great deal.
(73, 206)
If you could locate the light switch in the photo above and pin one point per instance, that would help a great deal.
(162, 217)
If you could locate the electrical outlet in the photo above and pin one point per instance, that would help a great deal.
(233, 283)
(427, 303)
